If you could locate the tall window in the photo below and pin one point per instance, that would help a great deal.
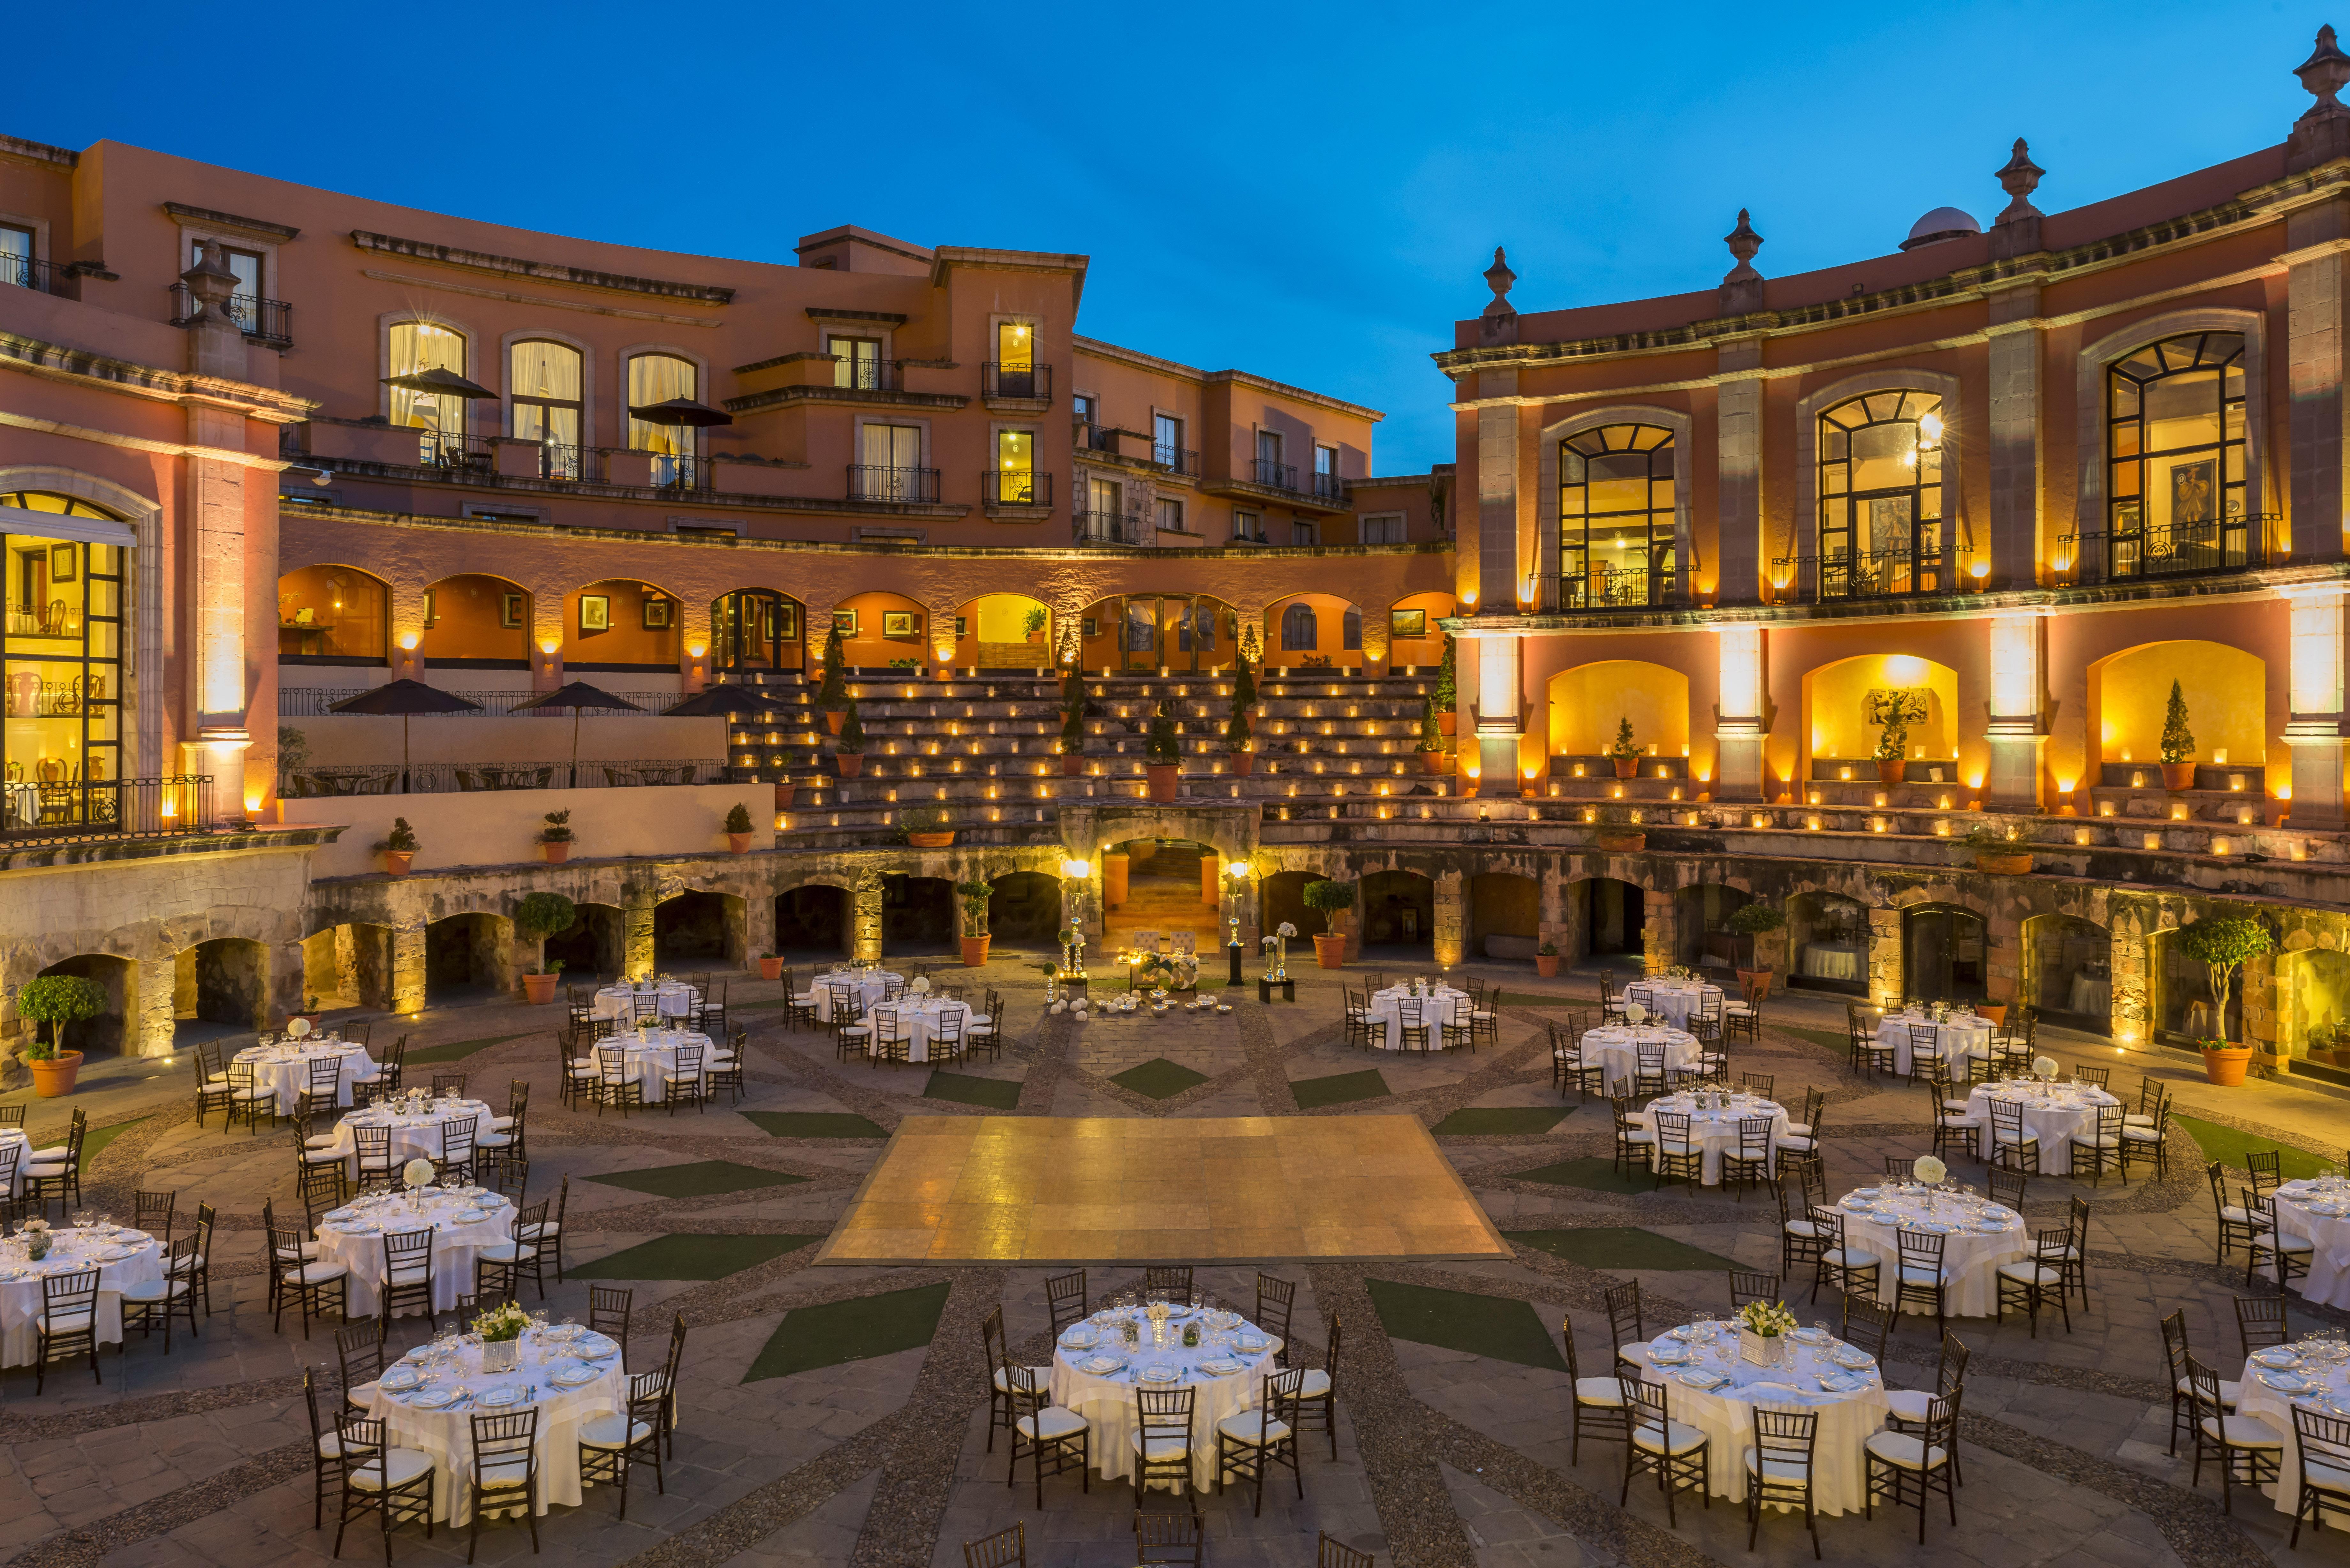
(2175, 450)
(857, 362)
(657, 379)
(61, 673)
(1881, 495)
(543, 380)
(891, 465)
(1016, 360)
(1167, 440)
(1298, 632)
(1615, 516)
(1325, 472)
(16, 256)
(1015, 478)
(1270, 469)
(244, 304)
(425, 345)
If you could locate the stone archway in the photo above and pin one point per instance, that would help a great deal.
(1398, 914)
(468, 957)
(818, 919)
(595, 943)
(223, 982)
(106, 1034)
(1505, 917)
(696, 927)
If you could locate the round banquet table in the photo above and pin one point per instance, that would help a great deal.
(24, 1147)
(921, 1020)
(869, 985)
(2092, 996)
(412, 1138)
(1674, 1000)
(286, 1069)
(448, 1434)
(1954, 1038)
(653, 1053)
(1616, 1048)
(1970, 1254)
(2321, 1211)
(1436, 1005)
(2323, 1377)
(2052, 1116)
(1726, 1415)
(1105, 1398)
(354, 1237)
(1715, 1132)
(140, 1260)
(675, 1000)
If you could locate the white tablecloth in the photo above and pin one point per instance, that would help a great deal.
(871, 986)
(922, 1021)
(1616, 1048)
(2273, 1405)
(20, 1286)
(448, 1435)
(412, 1138)
(1716, 1131)
(1839, 1474)
(286, 1070)
(652, 1054)
(1435, 1007)
(2091, 997)
(676, 1000)
(1953, 1037)
(2070, 1110)
(1971, 1256)
(1107, 1399)
(1673, 1001)
(2328, 1280)
(1831, 960)
(456, 1243)
(24, 1157)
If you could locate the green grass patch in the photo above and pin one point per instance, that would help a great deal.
(458, 1049)
(1494, 1326)
(703, 1179)
(1829, 1039)
(1338, 1089)
(813, 1123)
(2229, 1147)
(94, 1141)
(1159, 1078)
(1620, 1247)
(858, 1330)
(1483, 1121)
(684, 1257)
(1591, 1173)
(995, 1094)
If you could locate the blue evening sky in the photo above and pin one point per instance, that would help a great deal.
(1307, 192)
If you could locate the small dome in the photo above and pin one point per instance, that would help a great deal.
(1941, 223)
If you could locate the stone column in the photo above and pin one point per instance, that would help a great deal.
(1885, 978)
(1659, 929)
(1551, 926)
(758, 925)
(1499, 718)
(1742, 561)
(2315, 238)
(2314, 731)
(2018, 731)
(407, 968)
(1451, 918)
(372, 966)
(865, 916)
(153, 1024)
(523, 955)
(2014, 455)
(286, 982)
(737, 915)
(1496, 566)
(2002, 954)
(637, 932)
(1574, 922)
(1740, 728)
(215, 504)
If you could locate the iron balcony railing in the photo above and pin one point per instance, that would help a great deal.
(63, 812)
(560, 459)
(1329, 487)
(868, 482)
(466, 778)
(1873, 575)
(454, 450)
(24, 272)
(864, 375)
(270, 320)
(1608, 590)
(1097, 438)
(1001, 381)
(319, 701)
(1182, 460)
(1273, 475)
(1112, 528)
(2176, 550)
(1015, 487)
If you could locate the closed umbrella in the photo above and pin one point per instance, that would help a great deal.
(405, 698)
(576, 695)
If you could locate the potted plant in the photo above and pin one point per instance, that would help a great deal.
(849, 747)
(786, 790)
(1162, 756)
(1033, 623)
(1617, 833)
(1625, 750)
(539, 916)
(974, 895)
(2220, 946)
(1239, 742)
(1546, 961)
(771, 966)
(2177, 746)
(1996, 853)
(1447, 695)
(832, 691)
(1892, 748)
(930, 827)
(1330, 943)
(738, 829)
(309, 1011)
(1750, 922)
(1431, 738)
(1244, 690)
(54, 1001)
(555, 838)
(397, 848)
(1072, 742)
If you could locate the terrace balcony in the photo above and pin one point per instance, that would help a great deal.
(2174, 550)
(269, 322)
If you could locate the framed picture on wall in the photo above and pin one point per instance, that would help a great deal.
(432, 606)
(510, 608)
(1407, 623)
(845, 622)
(657, 611)
(963, 628)
(788, 621)
(1093, 626)
(595, 612)
(2192, 486)
(899, 624)
(61, 562)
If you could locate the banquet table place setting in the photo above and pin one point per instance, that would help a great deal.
(1714, 1116)
(462, 1219)
(1614, 1048)
(923, 1015)
(1671, 1000)
(2319, 1208)
(124, 1257)
(867, 985)
(17, 1138)
(1978, 1236)
(1955, 1034)
(1437, 1002)
(2312, 1374)
(283, 1067)
(670, 998)
(418, 1125)
(2054, 1113)
(649, 1055)
(1100, 1361)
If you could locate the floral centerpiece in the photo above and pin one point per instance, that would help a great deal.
(920, 986)
(501, 1329)
(37, 1238)
(1762, 1329)
(417, 1175)
(2043, 1068)
(1158, 1313)
(1931, 1171)
(1277, 945)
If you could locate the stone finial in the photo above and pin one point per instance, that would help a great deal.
(1500, 279)
(2323, 74)
(210, 280)
(2019, 178)
(1743, 241)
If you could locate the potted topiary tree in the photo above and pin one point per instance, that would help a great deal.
(54, 1001)
(1431, 738)
(555, 838)
(1750, 923)
(1625, 750)
(2177, 746)
(1072, 742)
(1244, 690)
(1546, 961)
(848, 745)
(2222, 946)
(1239, 742)
(1447, 695)
(930, 827)
(539, 916)
(832, 691)
(738, 829)
(1892, 751)
(974, 895)
(1996, 853)
(397, 848)
(1162, 756)
(1329, 897)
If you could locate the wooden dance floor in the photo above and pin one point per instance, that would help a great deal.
(1099, 1189)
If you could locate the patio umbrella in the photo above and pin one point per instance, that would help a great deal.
(724, 700)
(576, 695)
(439, 382)
(681, 411)
(405, 698)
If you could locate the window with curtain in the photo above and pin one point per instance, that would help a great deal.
(1353, 640)
(656, 378)
(542, 382)
(1015, 468)
(2175, 453)
(858, 362)
(1615, 516)
(1881, 495)
(426, 346)
(61, 673)
(891, 464)
(1298, 632)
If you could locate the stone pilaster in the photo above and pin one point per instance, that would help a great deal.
(1553, 924)
(2004, 954)
(372, 966)
(152, 1021)
(215, 655)
(1659, 933)
(1501, 718)
(1575, 923)
(637, 932)
(286, 982)
(2315, 238)
(2014, 448)
(864, 915)
(758, 926)
(407, 967)
(1884, 977)
(1496, 567)
(1740, 725)
(1741, 560)
(2314, 732)
(1451, 918)
(2017, 731)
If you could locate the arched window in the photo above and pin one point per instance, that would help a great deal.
(418, 346)
(2175, 444)
(1881, 495)
(1615, 516)
(334, 615)
(749, 629)
(1298, 632)
(60, 666)
(542, 382)
(657, 379)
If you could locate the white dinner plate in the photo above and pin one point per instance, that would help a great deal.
(399, 1379)
(595, 1346)
(2277, 1356)
(1220, 1366)
(1075, 1339)
(1251, 1342)
(575, 1376)
(2288, 1382)
(1701, 1379)
(1101, 1365)
(1159, 1374)
(499, 1399)
(435, 1399)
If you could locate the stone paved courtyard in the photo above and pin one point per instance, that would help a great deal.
(1444, 1456)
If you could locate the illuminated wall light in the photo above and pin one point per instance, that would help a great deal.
(408, 641)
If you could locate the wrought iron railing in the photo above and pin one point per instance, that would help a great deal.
(34, 812)
(1015, 487)
(319, 701)
(864, 375)
(1889, 573)
(1182, 460)
(1112, 528)
(1329, 487)
(1001, 381)
(270, 320)
(467, 778)
(869, 481)
(454, 450)
(1273, 475)
(2176, 550)
(24, 272)
(1606, 590)
(1097, 438)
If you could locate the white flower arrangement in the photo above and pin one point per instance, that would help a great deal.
(35, 1223)
(2043, 1066)
(1285, 929)
(502, 1323)
(1634, 1014)
(1931, 1171)
(418, 1173)
(922, 986)
(1766, 1320)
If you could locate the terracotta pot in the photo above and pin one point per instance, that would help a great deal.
(1994, 1011)
(772, 967)
(784, 794)
(1620, 841)
(2003, 864)
(1072, 763)
(739, 843)
(1165, 779)
(55, 1076)
(1890, 771)
(1243, 763)
(1447, 722)
(538, 990)
(850, 764)
(2179, 776)
(2224, 1068)
(974, 952)
(931, 840)
(1626, 767)
(556, 853)
(1114, 873)
(1330, 949)
(395, 861)
(1547, 964)
(832, 719)
(1431, 761)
